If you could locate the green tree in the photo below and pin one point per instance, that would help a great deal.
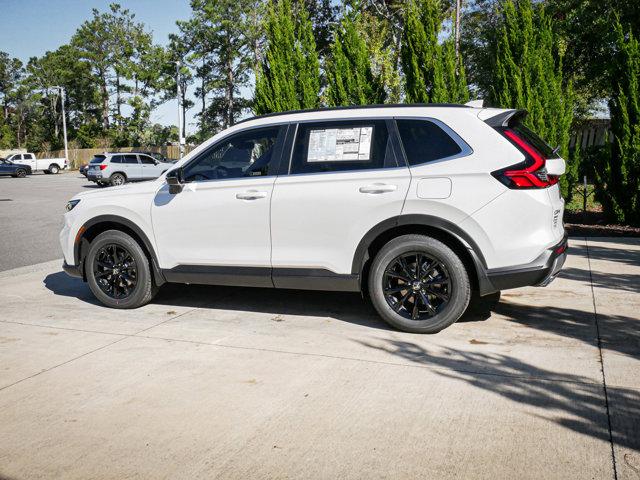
(221, 45)
(288, 77)
(433, 73)
(528, 75)
(619, 177)
(350, 76)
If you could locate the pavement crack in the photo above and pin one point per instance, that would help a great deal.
(601, 359)
(123, 337)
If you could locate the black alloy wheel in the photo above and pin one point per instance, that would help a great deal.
(416, 285)
(21, 173)
(115, 271)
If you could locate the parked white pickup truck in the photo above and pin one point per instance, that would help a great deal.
(47, 165)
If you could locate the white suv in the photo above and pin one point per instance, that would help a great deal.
(417, 205)
(119, 168)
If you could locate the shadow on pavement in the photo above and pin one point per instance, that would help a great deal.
(600, 252)
(344, 306)
(572, 401)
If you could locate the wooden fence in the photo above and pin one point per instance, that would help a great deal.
(80, 156)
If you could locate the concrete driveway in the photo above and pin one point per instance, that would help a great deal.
(212, 382)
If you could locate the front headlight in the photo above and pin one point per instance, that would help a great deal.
(71, 204)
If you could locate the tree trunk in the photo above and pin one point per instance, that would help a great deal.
(457, 27)
(229, 100)
(105, 102)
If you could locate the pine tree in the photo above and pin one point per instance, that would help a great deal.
(619, 179)
(289, 75)
(528, 75)
(432, 72)
(350, 77)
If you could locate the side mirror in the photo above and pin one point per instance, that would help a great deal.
(175, 180)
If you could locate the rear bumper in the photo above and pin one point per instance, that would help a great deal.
(541, 272)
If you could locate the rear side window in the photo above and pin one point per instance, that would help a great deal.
(533, 139)
(117, 159)
(97, 159)
(424, 141)
(342, 146)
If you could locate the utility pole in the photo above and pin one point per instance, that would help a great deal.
(64, 122)
(180, 126)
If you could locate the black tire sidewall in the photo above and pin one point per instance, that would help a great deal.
(21, 173)
(140, 293)
(53, 169)
(116, 175)
(460, 287)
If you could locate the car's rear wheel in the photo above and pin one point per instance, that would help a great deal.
(118, 271)
(21, 173)
(117, 179)
(54, 169)
(418, 284)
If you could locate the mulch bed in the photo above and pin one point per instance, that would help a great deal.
(594, 224)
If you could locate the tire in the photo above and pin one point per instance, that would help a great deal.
(132, 284)
(117, 179)
(54, 169)
(21, 173)
(441, 282)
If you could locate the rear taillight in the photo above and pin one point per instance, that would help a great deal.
(102, 167)
(528, 174)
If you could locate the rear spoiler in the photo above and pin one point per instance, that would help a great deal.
(506, 119)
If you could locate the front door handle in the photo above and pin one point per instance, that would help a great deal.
(378, 188)
(251, 195)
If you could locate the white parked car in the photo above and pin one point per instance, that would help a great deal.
(416, 205)
(46, 165)
(119, 168)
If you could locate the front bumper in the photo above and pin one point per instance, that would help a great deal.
(71, 270)
(541, 272)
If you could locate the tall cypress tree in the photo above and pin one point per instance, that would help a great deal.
(350, 78)
(432, 72)
(528, 75)
(288, 77)
(619, 178)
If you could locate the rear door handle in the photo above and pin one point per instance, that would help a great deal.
(378, 188)
(251, 195)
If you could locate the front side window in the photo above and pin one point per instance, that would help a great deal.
(342, 146)
(245, 154)
(425, 141)
(146, 160)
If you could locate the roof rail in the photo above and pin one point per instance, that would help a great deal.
(355, 107)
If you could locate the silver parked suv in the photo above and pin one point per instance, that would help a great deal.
(120, 168)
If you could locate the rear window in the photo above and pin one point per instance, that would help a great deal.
(97, 159)
(424, 141)
(533, 139)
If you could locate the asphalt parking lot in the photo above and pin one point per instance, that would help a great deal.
(217, 382)
(31, 212)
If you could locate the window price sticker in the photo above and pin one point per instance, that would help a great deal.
(340, 144)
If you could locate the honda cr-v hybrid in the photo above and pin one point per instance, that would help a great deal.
(416, 205)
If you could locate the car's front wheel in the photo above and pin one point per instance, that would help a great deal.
(118, 271)
(418, 284)
(21, 173)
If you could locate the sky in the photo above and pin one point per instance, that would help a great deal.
(30, 28)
